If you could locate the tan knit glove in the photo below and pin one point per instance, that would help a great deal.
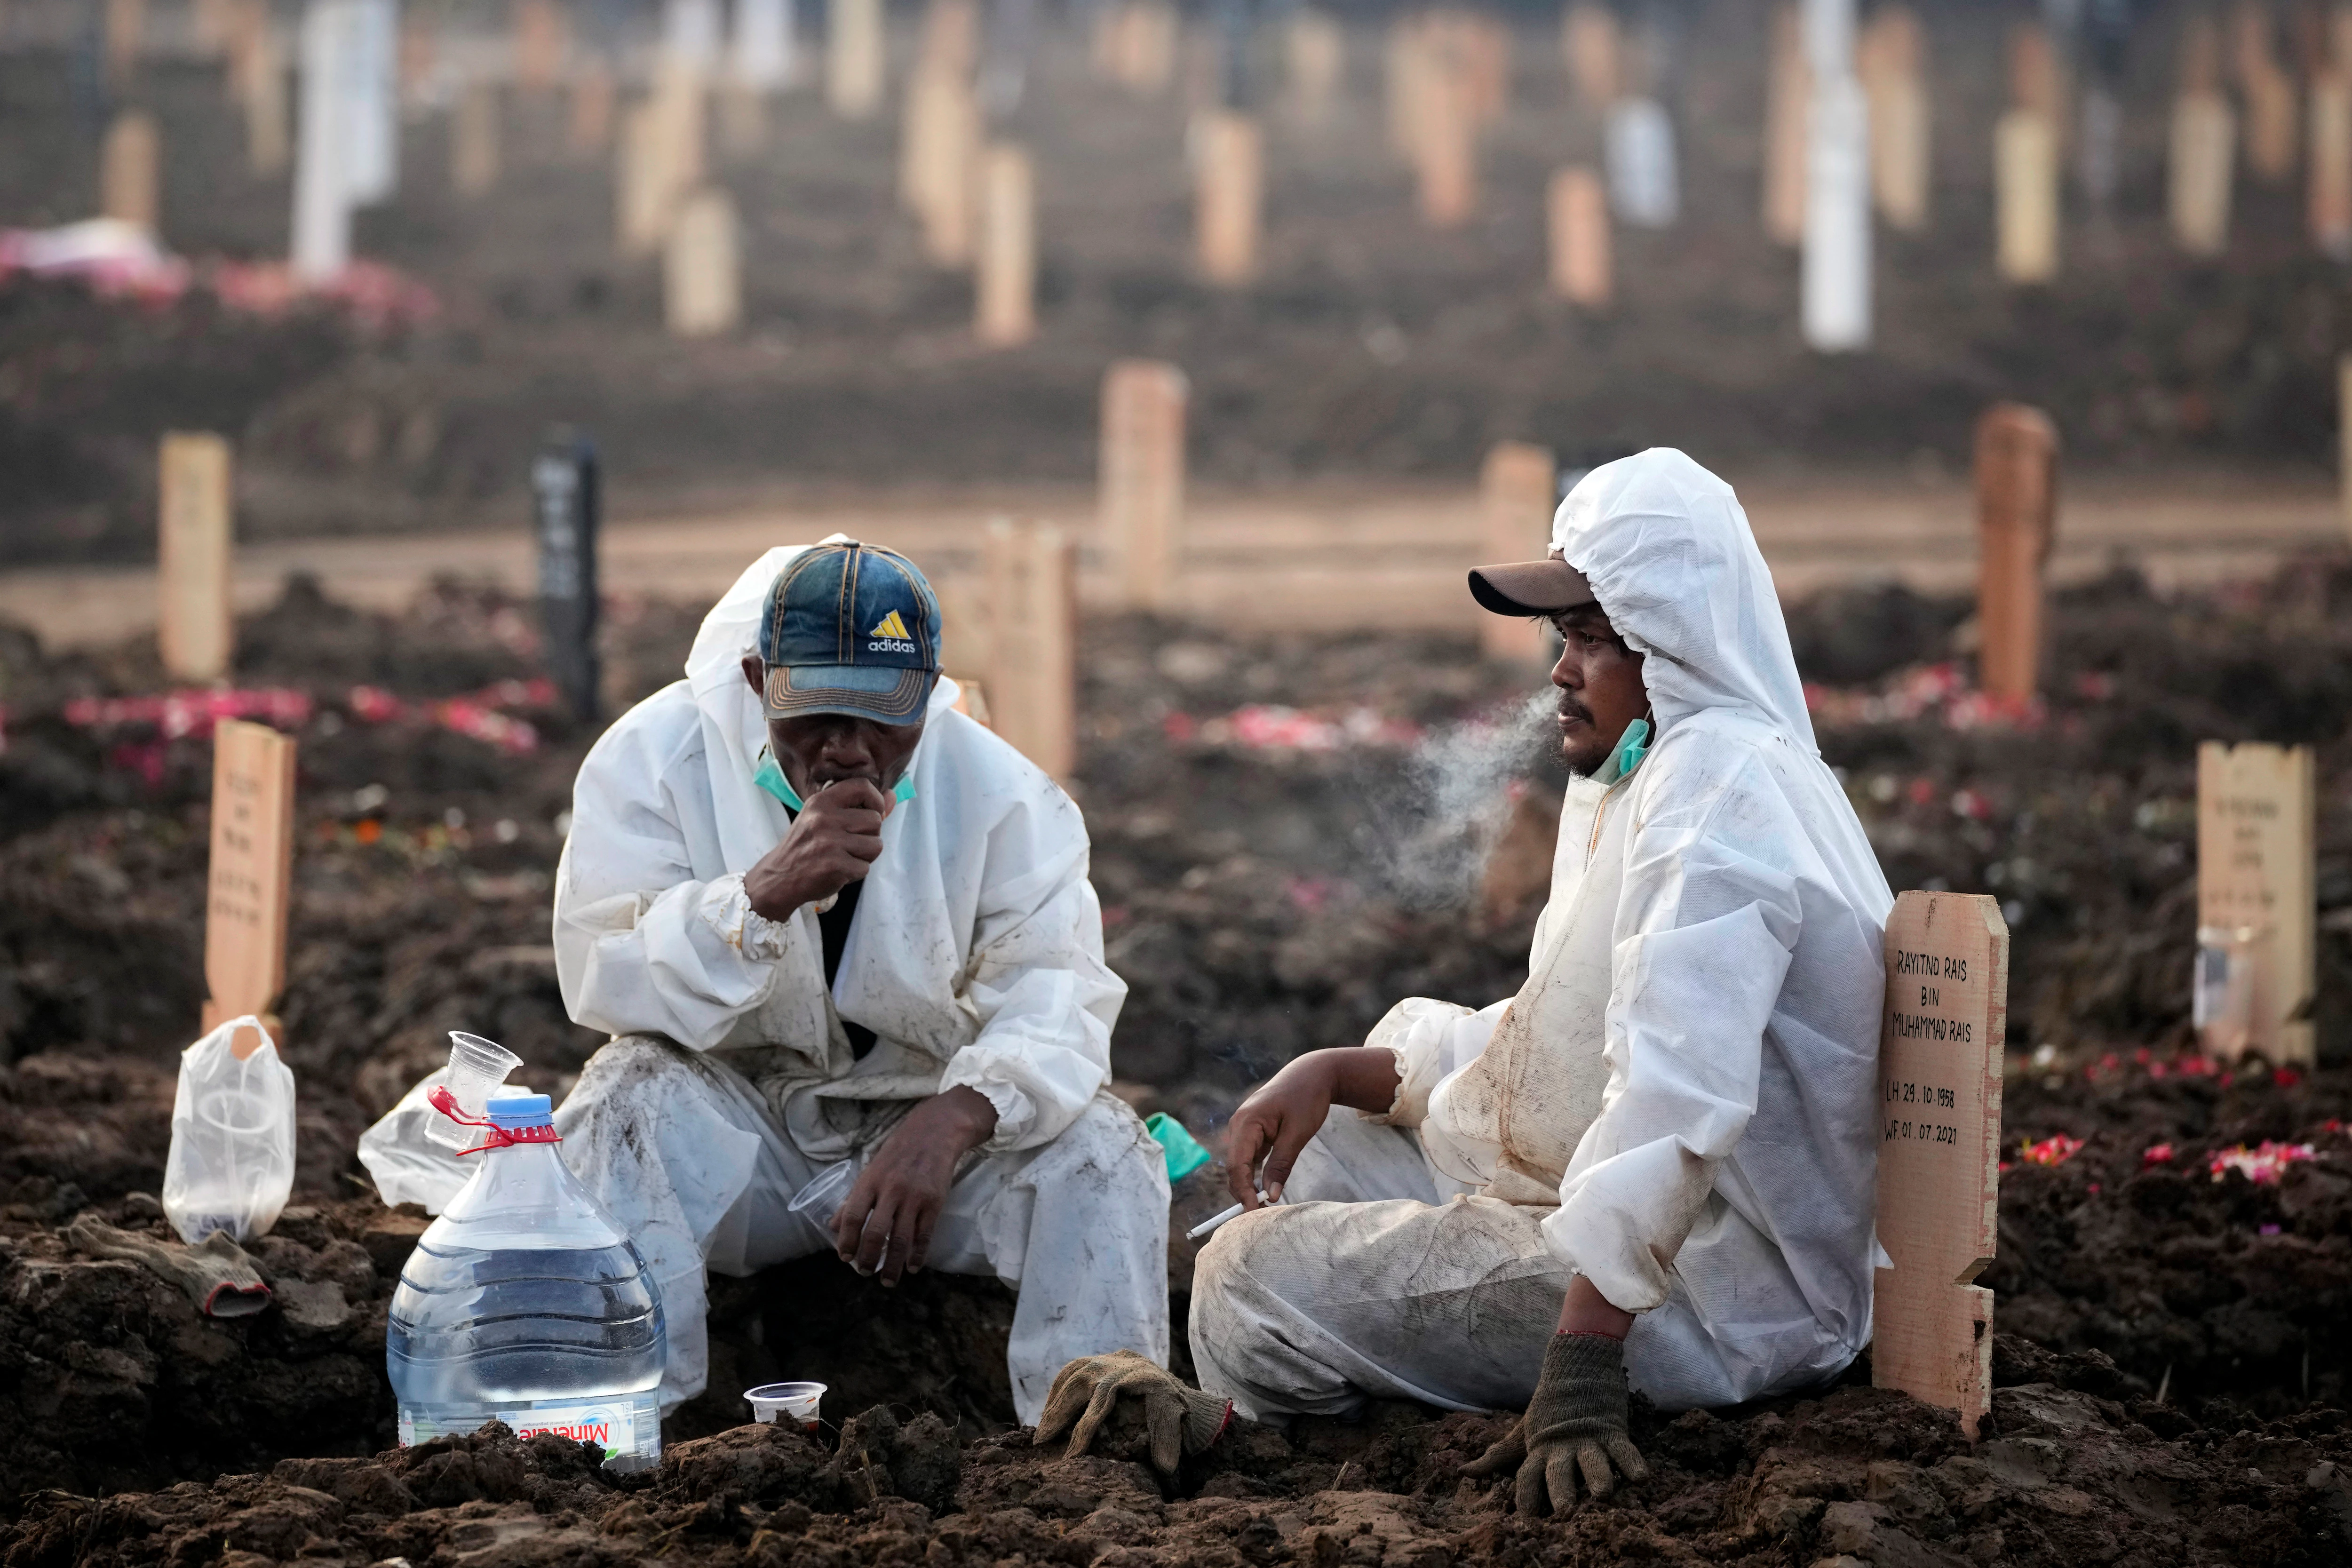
(1575, 1424)
(1180, 1419)
(216, 1273)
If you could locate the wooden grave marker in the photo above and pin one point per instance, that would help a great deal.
(194, 630)
(126, 37)
(1228, 194)
(2017, 493)
(1031, 681)
(1005, 291)
(474, 139)
(1317, 58)
(127, 172)
(1446, 151)
(2202, 156)
(588, 128)
(1588, 41)
(1577, 207)
(250, 880)
(939, 174)
(1939, 1148)
(2025, 173)
(853, 58)
(1788, 93)
(2330, 200)
(1516, 494)
(1889, 58)
(702, 268)
(542, 41)
(2256, 903)
(1142, 478)
(2344, 434)
(257, 77)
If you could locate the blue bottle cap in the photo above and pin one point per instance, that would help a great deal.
(520, 1110)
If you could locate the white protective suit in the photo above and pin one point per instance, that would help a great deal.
(1678, 1104)
(975, 956)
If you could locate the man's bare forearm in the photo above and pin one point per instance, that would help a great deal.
(1363, 1078)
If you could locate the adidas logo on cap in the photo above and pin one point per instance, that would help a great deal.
(890, 635)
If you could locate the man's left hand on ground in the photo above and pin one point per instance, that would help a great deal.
(885, 1225)
(1180, 1419)
(1574, 1424)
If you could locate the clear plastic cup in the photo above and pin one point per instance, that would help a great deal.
(817, 1204)
(795, 1403)
(477, 1068)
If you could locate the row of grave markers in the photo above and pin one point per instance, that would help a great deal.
(1847, 129)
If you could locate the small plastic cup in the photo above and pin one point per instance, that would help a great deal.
(477, 1068)
(818, 1203)
(795, 1403)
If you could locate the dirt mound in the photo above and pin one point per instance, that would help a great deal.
(2062, 1476)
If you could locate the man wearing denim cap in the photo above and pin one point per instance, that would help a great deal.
(844, 939)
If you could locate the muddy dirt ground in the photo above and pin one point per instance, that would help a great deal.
(2171, 1355)
(1371, 344)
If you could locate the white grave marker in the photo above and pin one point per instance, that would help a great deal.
(2256, 903)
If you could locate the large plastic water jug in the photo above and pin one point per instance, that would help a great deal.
(526, 1303)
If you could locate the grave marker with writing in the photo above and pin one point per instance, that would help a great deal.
(566, 507)
(2256, 903)
(1939, 1148)
(251, 876)
(1032, 679)
(1142, 478)
(194, 630)
(2017, 497)
(1516, 497)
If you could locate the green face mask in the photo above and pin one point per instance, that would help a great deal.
(770, 777)
(1632, 747)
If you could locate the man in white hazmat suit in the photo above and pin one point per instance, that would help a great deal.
(1660, 1155)
(828, 918)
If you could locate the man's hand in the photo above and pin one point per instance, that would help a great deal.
(885, 1225)
(1575, 1425)
(833, 843)
(1286, 1110)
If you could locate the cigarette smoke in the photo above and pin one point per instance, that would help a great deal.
(1435, 820)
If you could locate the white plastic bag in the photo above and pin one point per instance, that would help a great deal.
(231, 1160)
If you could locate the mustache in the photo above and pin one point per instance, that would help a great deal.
(1569, 708)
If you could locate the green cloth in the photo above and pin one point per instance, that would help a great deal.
(1183, 1151)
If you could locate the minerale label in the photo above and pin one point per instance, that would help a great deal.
(611, 1425)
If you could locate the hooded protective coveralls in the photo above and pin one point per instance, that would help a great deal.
(1677, 1105)
(975, 957)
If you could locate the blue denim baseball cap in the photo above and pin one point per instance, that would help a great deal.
(850, 629)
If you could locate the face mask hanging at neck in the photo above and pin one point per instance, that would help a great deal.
(1632, 747)
(770, 777)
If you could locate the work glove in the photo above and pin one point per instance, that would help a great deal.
(216, 1273)
(1180, 1420)
(1576, 1422)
